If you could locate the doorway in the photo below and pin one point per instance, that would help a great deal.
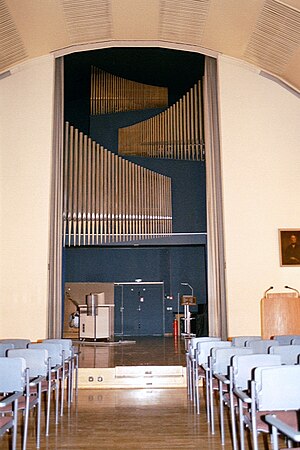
(139, 309)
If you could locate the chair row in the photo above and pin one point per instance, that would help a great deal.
(29, 370)
(228, 369)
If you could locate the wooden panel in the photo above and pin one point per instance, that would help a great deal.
(280, 314)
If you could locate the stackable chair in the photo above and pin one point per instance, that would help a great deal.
(285, 339)
(240, 341)
(203, 350)
(53, 376)
(17, 343)
(289, 353)
(12, 384)
(4, 347)
(283, 427)
(14, 379)
(261, 345)
(191, 363)
(38, 368)
(274, 390)
(69, 369)
(240, 374)
(219, 362)
(296, 341)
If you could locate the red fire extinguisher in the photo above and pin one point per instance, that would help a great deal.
(175, 327)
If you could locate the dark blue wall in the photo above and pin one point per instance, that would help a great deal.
(172, 265)
(188, 177)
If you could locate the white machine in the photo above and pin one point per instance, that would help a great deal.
(96, 318)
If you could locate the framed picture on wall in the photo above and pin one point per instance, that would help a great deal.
(289, 246)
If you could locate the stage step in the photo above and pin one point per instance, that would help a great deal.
(132, 377)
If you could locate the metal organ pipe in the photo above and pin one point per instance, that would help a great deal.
(175, 133)
(109, 199)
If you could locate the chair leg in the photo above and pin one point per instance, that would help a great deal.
(48, 408)
(211, 404)
(233, 422)
(241, 424)
(26, 419)
(38, 419)
(221, 400)
(207, 395)
(15, 427)
(62, 391)
(56, 399)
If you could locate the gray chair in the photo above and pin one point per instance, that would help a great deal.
(191, 369)
(261, 345)
(219, 363)
(240, 375)
(203, 350)
(289, 353)
(15, 379)
(284, 427)
(274, 389)
(4, 347)
(69, 368)
(285, 339)
(53, 376)
(17, 343)
(12, 383)
(37, 365)
(240, 341)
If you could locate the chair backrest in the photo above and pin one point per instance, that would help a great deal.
(262, 345)
(240, 341)
(54, 351)
(194, 341)
(244, 365)
(4, 347)
(36, 360)
(12, 374)
(277, 388)
(289, 353)
(285, 339)
(66, 344)
(17, 343)
(296, 341)
(221, 358)
(204, 348)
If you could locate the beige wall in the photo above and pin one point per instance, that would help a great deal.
(260, 155)
(260, 137)
(25, 150)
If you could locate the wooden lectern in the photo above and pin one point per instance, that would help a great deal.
(280, 314)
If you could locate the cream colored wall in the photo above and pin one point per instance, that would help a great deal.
(260, 137)
(260, 154)
(25, 150)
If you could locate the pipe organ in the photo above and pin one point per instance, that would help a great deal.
(175, 133)
(111, 94)
(107, 198)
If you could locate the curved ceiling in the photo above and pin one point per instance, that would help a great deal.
(265, 33)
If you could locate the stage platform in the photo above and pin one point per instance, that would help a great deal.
(132, 362)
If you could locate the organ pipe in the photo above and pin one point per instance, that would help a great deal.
(109, 199)
(112, 94)
(175, 133)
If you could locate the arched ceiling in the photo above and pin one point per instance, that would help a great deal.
(265, 33)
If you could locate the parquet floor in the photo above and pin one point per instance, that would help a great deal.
(130, 419)
(133, 351)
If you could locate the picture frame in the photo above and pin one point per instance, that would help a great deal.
(289, 247)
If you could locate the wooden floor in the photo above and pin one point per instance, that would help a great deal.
(130, 419)
(132, 351)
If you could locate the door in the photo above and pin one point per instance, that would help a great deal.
(139, 310)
